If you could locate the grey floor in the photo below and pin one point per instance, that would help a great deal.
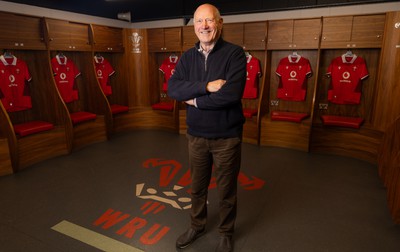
(132, 191)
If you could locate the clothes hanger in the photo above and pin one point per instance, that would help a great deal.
(60, 55)
(7, 54)
(173, 57)
(294, 55)
(349, 53)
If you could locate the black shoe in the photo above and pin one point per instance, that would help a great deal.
(188, 237)
(225, 244)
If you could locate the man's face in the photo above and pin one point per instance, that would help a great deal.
(206, 25)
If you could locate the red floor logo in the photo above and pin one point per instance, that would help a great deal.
(172, 190)
(178, 195)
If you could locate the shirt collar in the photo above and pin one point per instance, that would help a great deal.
(98, 60)
(5, 62)
(215, 46)
(61, 60)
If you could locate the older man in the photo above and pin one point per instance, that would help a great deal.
(210, 78)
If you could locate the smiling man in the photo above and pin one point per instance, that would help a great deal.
(210, 79)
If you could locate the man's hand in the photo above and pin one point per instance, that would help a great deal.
(190, 102)
(214, 86)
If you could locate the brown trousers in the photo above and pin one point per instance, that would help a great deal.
(225, 155)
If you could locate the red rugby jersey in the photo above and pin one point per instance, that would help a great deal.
(168, 68)
(14, 89)
(103, 71)
(253, 74)
(346, 75)
(65, 73)
(293, 72)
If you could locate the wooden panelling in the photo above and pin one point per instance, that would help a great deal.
(251, 130)
(138, 84)
(5, 159)
(41, 146)
(107, 39)
(164, 39)
(68, 36)
(294, 34)
(356, 143)
(280, 33)
(182, 121)
(285, 134)
(387, 102)
(255, 35)
(365, 31)
(89, 132)
(118, 81)
(155, 39)
(145, 88)
(234, 33)
(21, 32)
(336, 29)
(189, 37)
(250, 36)
(389, 168)
(306, 33)
(173, 39)
(147, 118)
(368, 28)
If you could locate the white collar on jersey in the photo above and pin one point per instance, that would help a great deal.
(62, 60)
(5, 62)
(346, 56)
(173, 58)
(248, 56)
(294, 58)
(98, 59)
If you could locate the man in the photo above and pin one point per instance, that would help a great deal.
(210, 78)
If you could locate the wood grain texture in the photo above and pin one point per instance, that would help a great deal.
(357, 143)
(5, 159)
(21, 32)
(89, 132)
(387, 102)
(285, 134)
(41, 146)
(389, 168)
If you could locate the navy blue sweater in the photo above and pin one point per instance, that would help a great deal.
(218, 114)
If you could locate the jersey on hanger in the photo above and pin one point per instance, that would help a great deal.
(293, 72)
(14, 89)
(103, 71)
(253, 75)
(65, 73)
(168, 68)
(346, 75)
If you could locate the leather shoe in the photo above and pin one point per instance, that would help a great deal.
(188, 237)
(225, 244)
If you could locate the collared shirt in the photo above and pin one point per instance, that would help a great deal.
(205, 53)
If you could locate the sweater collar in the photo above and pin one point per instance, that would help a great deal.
(218, 44)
